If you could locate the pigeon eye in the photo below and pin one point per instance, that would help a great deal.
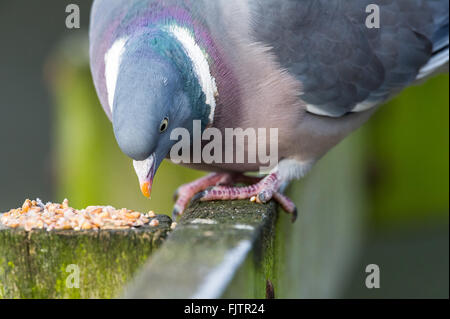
(164, 125)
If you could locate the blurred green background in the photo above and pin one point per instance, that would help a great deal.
(56, 142)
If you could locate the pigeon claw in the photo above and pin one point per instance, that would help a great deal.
(199, 196)
(176, 194)
(175, 213)
(294, 215)
(287, 205)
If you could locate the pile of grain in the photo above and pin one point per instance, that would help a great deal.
(53, 216)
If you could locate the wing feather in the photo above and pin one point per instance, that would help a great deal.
(343, 65)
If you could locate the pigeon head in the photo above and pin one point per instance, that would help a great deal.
(156, 91)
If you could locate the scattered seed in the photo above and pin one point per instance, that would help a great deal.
(104, 215)
(135, 214)
(52, 216)
(86, 226)
(154, 223)
(97, 211)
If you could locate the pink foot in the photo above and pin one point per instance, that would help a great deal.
(184, 193)
(264, 190)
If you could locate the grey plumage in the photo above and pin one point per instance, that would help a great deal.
(328, 47)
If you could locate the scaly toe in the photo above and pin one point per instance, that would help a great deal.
(198, 197)
(287, 205)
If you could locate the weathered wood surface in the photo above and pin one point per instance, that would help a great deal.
(201, 257)
(35, 264)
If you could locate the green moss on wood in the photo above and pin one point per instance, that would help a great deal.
(34, 264)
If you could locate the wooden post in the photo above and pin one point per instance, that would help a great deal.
(74, 264)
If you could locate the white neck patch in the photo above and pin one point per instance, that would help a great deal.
(113, 59)
(200, 63)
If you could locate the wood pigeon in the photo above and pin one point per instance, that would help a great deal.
(315, 70)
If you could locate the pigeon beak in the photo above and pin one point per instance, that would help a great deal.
(145, 171)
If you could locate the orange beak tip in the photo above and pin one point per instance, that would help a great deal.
(145, 189)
